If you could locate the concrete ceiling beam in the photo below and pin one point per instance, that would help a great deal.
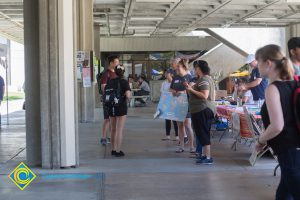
(169, 13)
(130, 6)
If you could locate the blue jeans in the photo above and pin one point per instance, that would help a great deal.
(198, 146)
(289, 186)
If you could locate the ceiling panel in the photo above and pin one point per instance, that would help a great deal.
(174, 17)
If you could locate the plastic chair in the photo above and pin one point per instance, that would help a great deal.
(255, 128)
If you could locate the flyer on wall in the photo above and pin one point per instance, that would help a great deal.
(86, 79)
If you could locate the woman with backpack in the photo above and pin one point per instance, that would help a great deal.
(281, 132)
(117, 92)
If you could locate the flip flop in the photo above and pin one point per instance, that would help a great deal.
(193, 152)
(180, 150)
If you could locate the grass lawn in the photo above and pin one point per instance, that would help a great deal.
(14, 96)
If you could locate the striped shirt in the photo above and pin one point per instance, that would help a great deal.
(198, 104)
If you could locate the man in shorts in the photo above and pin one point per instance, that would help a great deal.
(108, 75)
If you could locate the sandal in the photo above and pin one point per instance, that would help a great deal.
(192, 151)
(179, 150)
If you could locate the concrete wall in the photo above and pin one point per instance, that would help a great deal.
(115, 44)
(250, 39)
(224, 59)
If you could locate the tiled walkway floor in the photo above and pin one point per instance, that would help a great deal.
(150, 170)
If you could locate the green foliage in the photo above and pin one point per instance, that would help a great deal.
(14, 96)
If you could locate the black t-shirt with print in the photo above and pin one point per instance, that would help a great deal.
(178, 82)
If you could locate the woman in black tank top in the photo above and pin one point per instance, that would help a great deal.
(281, 133)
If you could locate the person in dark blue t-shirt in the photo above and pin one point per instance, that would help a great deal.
(178, 86)
(257, 84)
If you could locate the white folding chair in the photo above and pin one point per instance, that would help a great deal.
(255, 128)
(235, 128)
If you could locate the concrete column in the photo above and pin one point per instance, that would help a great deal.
(50, 75)
(97, 41)
(85, 42)
(68, 138)
(32, 79)
(295, 30)
(291, 31)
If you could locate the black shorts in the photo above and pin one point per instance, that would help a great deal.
(105, 112)
(117, 111)
(202, 123)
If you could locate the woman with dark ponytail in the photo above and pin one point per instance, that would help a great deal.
(117, 114)
(281, 132)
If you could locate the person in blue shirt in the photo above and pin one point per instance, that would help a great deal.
(178, 86)
(257, 84)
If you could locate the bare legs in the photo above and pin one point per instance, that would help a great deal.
(182, 133)
(206, 151)
(117, 126)
(105, 128)
(185, 130)
(189, 132)
(113, 122)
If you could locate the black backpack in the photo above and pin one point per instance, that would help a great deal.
(112, 93)
(99, 78)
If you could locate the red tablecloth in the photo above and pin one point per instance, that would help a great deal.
(226, 111)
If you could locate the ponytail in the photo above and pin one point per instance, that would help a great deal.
(184, 62)
(285, 69)
(282, 64)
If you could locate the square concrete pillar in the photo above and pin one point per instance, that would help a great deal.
(51, 131)
(84, 27)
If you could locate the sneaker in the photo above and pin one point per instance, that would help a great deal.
(107, 140)
(195, 155)
(103, 141)
(186, 140)
(113, 153)
(200, 157)
(166, 139)
(120, 154)
(205, 161)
